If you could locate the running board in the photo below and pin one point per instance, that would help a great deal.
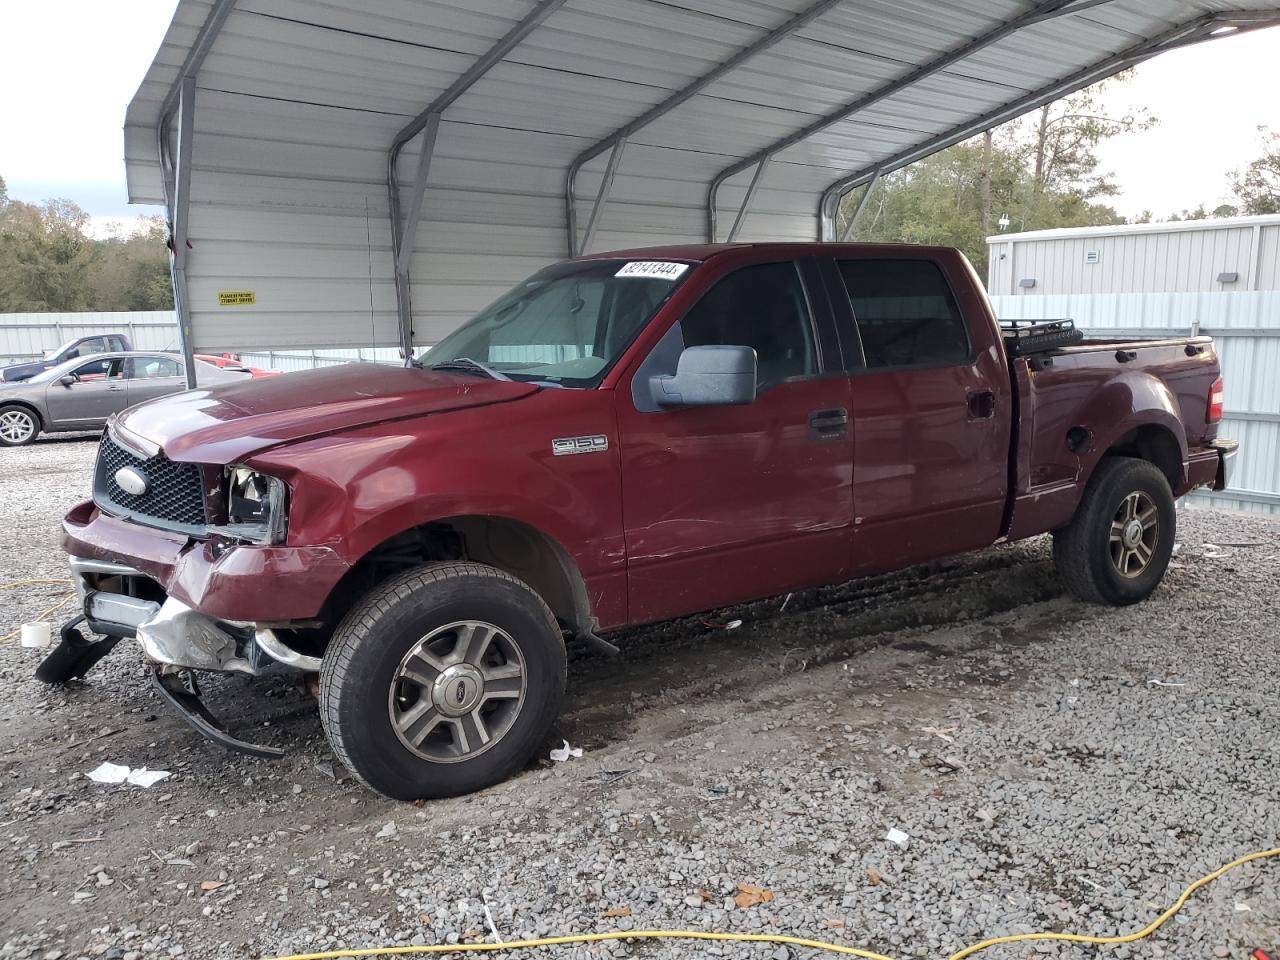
(185, 697)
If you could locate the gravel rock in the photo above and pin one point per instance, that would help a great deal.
(1056, 765)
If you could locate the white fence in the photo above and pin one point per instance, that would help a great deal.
(28, 336)
(290, 360)
(1246, 326)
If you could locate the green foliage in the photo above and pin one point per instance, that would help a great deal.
(48, 263)
(1041, 171)
(1257, 186)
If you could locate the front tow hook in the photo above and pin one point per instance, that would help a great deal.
(180, 690)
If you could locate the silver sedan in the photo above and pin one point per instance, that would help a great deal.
(82, 393)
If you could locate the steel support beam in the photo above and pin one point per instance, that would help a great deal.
(181, 219)
(1203, 29)
(750, 196)
(1045, 10)
(683, 95)
(175, 174)
(862, 205)
(602, 195)
(404, 230)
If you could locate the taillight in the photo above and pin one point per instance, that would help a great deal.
(1214, 413)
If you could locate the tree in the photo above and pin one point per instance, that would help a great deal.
(1257, 186)
(48, 262)
(44, 257)
(132, 270)
(1041, 171)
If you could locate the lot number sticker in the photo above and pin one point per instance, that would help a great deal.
(657, 269)
(236, 298)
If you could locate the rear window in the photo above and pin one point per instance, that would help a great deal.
(906, 314)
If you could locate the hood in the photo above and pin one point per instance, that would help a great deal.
(226, 423)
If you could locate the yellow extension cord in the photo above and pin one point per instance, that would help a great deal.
(782, 939)
(35, 581)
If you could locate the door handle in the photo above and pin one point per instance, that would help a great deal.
(828, 424)
(982, 405)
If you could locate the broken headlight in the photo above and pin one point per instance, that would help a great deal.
(257, 507)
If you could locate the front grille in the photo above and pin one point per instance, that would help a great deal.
(174, 497)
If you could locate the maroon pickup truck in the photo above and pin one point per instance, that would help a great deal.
(622, 438)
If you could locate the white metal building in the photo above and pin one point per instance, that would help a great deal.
(369, 173)
(1218, 277)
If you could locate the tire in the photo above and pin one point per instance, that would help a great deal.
(1101, 555)
(19, 425)
(398, 734)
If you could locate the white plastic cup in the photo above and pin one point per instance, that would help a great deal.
(36, 636)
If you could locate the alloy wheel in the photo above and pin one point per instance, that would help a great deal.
(16, 426)
(457, 691)
(1135, 531)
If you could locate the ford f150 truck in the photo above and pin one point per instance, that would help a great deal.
(622, 438)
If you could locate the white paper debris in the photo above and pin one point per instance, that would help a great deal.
(561, 754)
(1163, 683)
(116, 773)
(109, 773)
(897, 836)
(142, 777)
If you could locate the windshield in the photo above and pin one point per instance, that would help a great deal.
(566, 325)
(49, 355)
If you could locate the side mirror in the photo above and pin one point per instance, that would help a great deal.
(708, 376)
(68, 379)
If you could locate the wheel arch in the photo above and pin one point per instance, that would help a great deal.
(514, 546)
(30, 408)
(1154, 442)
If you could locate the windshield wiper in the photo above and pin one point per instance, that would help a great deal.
(466, 363)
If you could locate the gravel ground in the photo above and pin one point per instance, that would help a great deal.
(1055, 766)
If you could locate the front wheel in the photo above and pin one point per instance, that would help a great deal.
(18, 426)
(1117, 547)
(444, 680)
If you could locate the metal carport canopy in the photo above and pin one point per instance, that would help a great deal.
(504, 134)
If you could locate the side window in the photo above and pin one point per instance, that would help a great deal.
(116, 343)
(763, 307)
(90, 347)
(93, 371)
(906, 313)
(153, 368)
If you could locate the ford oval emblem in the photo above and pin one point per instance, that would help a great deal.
(131, 481)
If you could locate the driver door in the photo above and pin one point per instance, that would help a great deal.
(98, 390)
(729, 503)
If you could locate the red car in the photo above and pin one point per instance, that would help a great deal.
(621, 439)
(229, 361)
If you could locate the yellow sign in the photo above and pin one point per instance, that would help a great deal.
(236, 298)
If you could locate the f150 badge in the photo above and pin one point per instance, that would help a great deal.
(566, 446)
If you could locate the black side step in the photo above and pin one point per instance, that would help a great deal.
(186, 698)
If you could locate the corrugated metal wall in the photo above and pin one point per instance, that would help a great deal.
(1246, 327)
(1139, 258)
(26, 336)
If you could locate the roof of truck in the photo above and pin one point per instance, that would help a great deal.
(705, 251)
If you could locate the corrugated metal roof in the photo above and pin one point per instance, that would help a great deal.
(298, 102)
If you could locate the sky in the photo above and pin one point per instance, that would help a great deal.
(62, 126)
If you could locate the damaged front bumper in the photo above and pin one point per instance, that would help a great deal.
(119, 601)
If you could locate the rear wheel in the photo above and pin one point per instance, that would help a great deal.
(1117, 547)
(444, 680)
(18, 426)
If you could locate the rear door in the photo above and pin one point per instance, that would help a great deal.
(727, 503)
(154, 376)
(930, 446)
(98, 391)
